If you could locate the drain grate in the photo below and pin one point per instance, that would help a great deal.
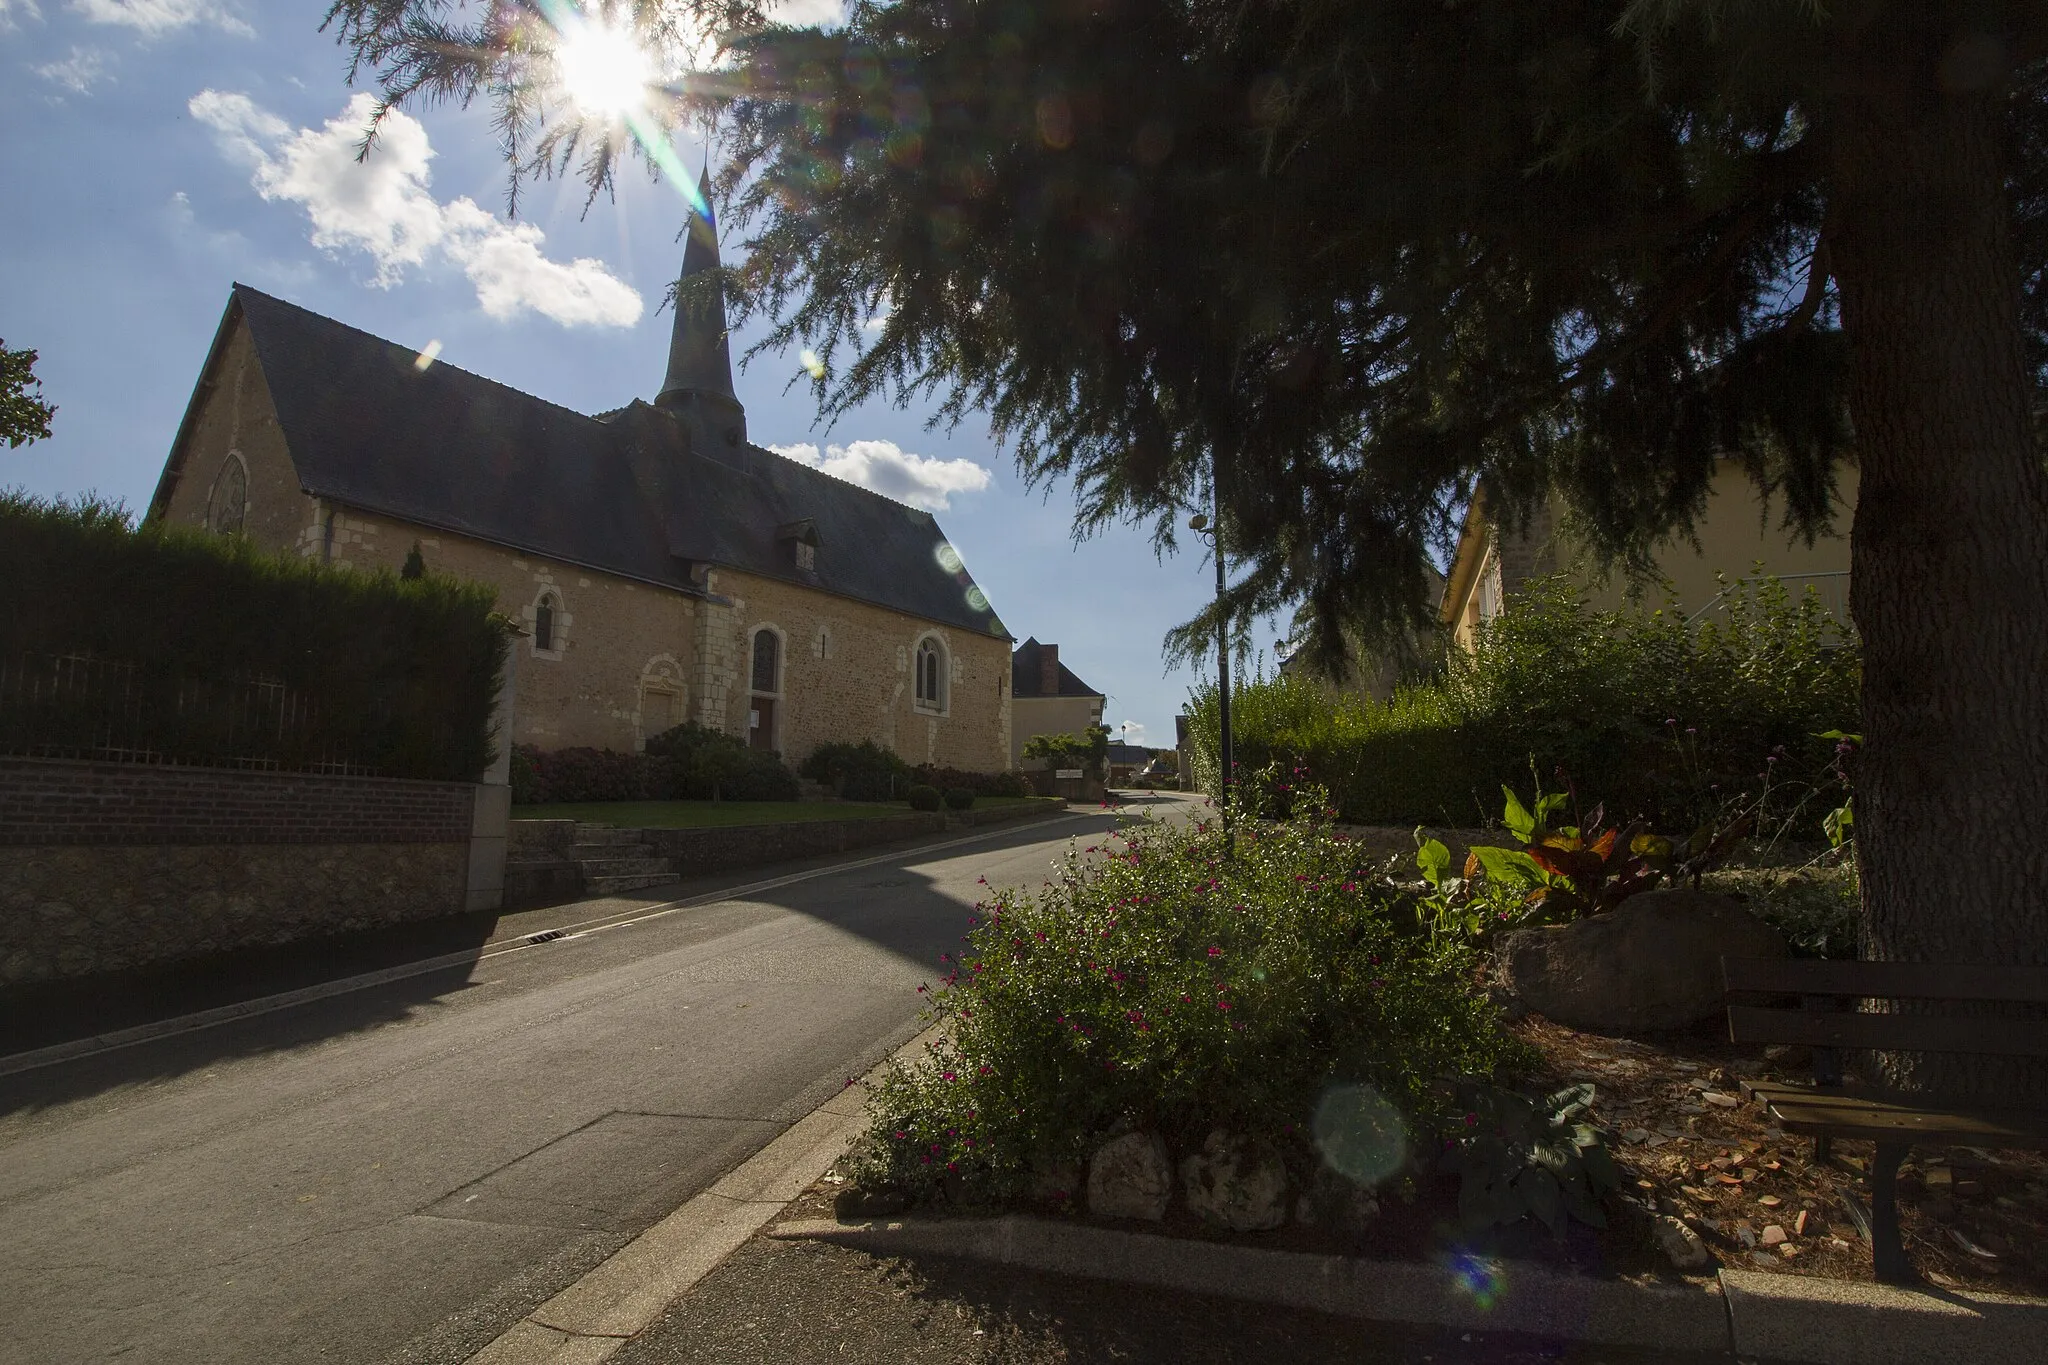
(548, 936)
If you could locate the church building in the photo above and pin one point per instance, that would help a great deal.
(662, 567)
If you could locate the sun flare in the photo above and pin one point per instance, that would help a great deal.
(603, 70)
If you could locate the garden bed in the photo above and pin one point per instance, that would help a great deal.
(1697, 1147)
(715, 814)
(1694, 1147)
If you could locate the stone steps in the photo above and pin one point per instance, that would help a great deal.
(612, 886)
(605, 834)
(614, 861)
(589, 852)
(624, 867)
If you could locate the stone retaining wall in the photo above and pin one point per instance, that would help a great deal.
(108, 866)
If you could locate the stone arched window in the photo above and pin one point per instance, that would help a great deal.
(547, 622)
(228, 507)
(932, 675)
(764, 687)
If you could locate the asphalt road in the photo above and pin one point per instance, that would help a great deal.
(398, 1174)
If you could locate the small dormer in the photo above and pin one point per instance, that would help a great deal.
(799, 540)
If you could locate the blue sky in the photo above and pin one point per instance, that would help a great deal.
(161, 149)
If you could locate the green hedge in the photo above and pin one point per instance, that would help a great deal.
(179, 646)
(1635, 709)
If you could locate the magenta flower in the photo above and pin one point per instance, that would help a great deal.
(1215, 952)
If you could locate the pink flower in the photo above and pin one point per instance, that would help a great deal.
(951, 1077)
(1215, 952)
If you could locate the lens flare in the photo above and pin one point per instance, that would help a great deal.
(813, 366)
(948, 557)
(977, 599)
(1360, 1135)
(1478, 1277)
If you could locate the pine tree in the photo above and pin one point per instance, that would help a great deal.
(1351, 257)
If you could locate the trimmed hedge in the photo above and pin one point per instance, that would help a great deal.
(689, 763)
(172, 645)
(922, 797)
(1633, 709)
(868, 771)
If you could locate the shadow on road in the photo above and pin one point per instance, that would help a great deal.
(887, 903)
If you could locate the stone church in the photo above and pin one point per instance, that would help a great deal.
(663, 568)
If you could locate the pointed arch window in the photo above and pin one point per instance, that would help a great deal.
(932, 675)
(230, 505)
(544, 622)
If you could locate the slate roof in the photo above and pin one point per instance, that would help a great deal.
(625, 494)
(1024, 675)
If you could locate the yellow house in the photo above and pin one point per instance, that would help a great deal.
(1736, 533)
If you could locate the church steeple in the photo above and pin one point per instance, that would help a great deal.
(698, 386)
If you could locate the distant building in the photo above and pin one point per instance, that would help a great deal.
(1046, 698)
(1735, 532)
(663, 569)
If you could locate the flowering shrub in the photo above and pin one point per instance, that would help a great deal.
(1159, 981)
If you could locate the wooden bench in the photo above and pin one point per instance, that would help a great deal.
(1827, 1021)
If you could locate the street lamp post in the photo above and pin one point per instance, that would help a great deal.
(1203, 525)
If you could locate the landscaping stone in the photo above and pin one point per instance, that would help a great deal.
(1681, 1245)
(1335, 1202)
(1130, 1177)
(1236, 1183)
(1652, 963)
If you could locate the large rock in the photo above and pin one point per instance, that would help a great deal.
(1130, 1177)
(1652, 963)
(1236, 1183)
(1336, 1202)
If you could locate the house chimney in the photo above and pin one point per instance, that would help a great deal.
(1048, 670)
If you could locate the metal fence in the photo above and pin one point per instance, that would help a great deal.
(114, 710)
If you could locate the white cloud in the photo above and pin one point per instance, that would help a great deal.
(154, 17)
(27, 9)
(382, 207)
(922, 481)
(1129, 732)
(77, 72)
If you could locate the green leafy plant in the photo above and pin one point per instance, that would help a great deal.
(866, 771)
(1516, 1158)
(1088, 751)
(1164, 981)
(923, 797)
(959, 798)
(1566, 871)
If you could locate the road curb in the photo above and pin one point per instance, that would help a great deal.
(1750, 1314)
(1479, 1295)
(585, 1323)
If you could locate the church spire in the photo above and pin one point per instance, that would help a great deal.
(698, 386)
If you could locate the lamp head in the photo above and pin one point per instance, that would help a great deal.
(1198, 522)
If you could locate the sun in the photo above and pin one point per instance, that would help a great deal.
(603, 69)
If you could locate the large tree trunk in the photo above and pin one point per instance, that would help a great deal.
(1950, 548)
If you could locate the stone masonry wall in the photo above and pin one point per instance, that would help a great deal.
(106, 866)
(847, 676)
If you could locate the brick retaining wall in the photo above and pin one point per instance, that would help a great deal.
(50, 802)
(106, 866)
